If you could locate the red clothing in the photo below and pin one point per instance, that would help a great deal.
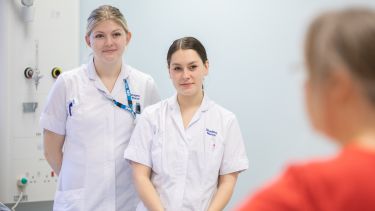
(344, 183)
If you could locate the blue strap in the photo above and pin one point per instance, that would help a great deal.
(122, 106)
(128, 107)
(128, 94)
(130, 101)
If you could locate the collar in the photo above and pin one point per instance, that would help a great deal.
(205, 105)
(93, 75)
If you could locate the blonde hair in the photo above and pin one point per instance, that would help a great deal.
(343, 38)
(105, 12)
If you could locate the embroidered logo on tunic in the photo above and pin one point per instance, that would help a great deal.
(136, 97)
(211, 132)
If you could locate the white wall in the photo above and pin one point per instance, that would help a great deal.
(55, 27)
(255, 53)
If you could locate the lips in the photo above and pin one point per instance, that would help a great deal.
(109, 51)
(186, 84)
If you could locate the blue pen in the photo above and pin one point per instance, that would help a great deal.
(70, 108)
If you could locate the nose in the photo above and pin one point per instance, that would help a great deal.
(186, 74)
(109, 41)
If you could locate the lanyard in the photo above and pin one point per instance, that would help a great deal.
(128, 107)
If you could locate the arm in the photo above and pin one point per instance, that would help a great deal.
(53, 144)
(224, 191)
(145, 189)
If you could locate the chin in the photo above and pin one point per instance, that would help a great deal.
(111, 60)
(188, 93)
(185, 94)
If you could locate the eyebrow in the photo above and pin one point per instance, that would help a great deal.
(96, 32)
(190, 63)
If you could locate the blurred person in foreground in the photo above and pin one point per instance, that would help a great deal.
(340, 101)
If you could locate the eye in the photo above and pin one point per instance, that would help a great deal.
(117, 34)
(177, 68)
(98, 36)
(193, 67)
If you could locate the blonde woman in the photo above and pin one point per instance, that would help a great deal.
(89, 117)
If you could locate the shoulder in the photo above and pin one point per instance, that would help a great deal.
(317, 179)
(309, 170)
(75, 75)
(155, 111)
(153, 115)
(70, 77)
(289, 191)
(219, 114)
(225, 113)
(314, 174)
(72, 81)
(333, 169)
(318, 167)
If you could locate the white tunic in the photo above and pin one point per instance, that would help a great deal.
(186, 163)
(94, 174)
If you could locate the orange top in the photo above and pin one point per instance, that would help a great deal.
(344, 183)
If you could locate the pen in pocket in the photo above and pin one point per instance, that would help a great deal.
(70, 107)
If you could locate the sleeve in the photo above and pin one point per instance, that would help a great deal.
(235, 158)
(53, 117)
(286, 193)
(152, 94)
(139, 148)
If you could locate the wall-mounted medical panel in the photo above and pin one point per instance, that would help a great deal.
(39, 39)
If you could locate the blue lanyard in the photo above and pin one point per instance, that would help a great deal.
(129, 95)
(128, 107)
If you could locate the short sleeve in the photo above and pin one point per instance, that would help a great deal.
(53, 117)
(139, 148)
(235, 158)
(152, 94)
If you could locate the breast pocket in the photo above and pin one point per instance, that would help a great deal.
(214, 156)
(75, 116)
(157, 152)
(88, 120)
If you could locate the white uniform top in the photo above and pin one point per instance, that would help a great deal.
(94, 174)
(186, 163)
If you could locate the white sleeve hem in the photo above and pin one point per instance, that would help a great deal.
(52, 124)
(242, 165)
(131, 154)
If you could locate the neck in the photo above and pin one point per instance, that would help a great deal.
(188, 106)
(355, 123)
(364, 139)
(187, 102)
(107, 70)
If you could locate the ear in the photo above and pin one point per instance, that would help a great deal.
(343, 88)
(206, 65)
(87, 38)
(128, 37)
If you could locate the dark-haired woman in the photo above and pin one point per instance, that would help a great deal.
(186, 151)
